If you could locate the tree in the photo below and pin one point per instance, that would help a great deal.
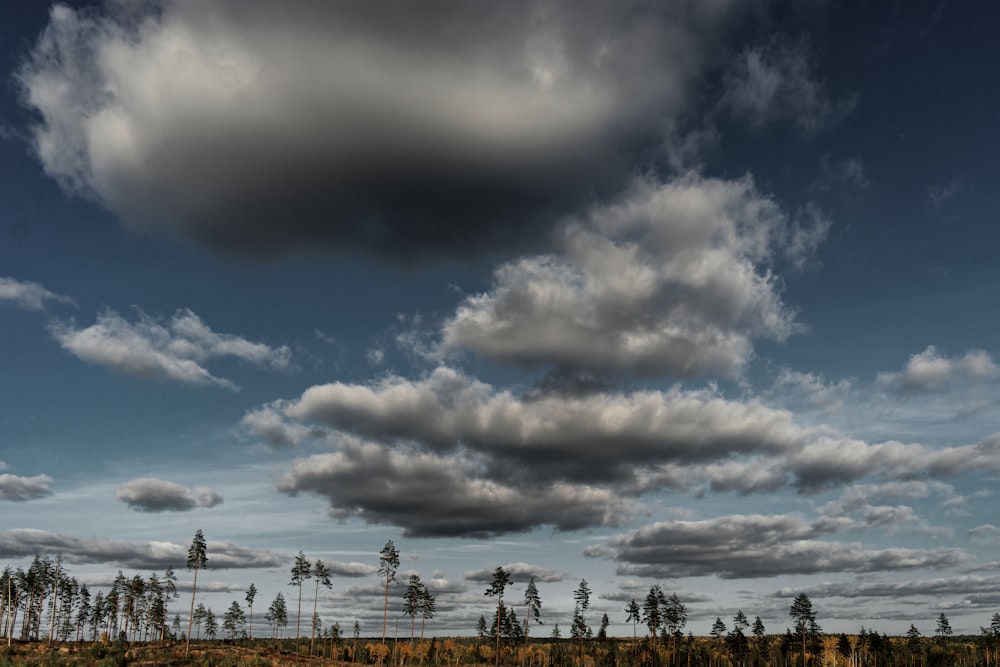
(234, 621)
(200, 612)
(322, 573)
(301, 570)
(411, 601)
(277, 614)
(501, 580)
(633, 614)
(251, 595)
(674, 618)
(802, 613)
(481, 628)
(170, 592)
(737, 637)
(211, 624)
(428, 606)
(388, 563)
(197, 558)
(943, 629)
(534, 606)
(602, 633)
(581, 596)
(718, 628)
(651, 611)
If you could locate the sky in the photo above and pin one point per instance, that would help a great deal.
(697, 294)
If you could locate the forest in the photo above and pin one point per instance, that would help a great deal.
(48, 617)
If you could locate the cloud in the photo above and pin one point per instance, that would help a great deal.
(985, 534)
(156, 495)
(938, 587)
(929, 370)
(352, 569)
(671, 279)
(447, 129)
(598, 438)
(28, 295)
(171, 352)
(519, 573)
(848, 173)
(432, 496)
(16, 488)
(813, 389)
(21, 542)
(749, 546)
(460, 441)
(775, 82)
(277, 431)
(939, 195)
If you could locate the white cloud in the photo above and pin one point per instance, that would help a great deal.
(156, 495)
(672, 279)
(28, 295)
(929, 370)
(159, 352)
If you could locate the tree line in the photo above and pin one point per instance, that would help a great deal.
(44, 602)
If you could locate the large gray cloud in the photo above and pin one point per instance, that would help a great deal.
(21, 542)
(461, 440)
(156, 495)
(518, 573)
(595, 438)
(671, 279)
(442, 127)
(744, 546)
(429, 495)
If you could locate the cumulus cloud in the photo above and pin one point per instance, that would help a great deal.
(27, 295)
(672, 279)
(429, 495)
(22, 542)
(164, 352)
(462, 440)
(930, 370)
(596, 438)
(747, 546)
(157, 495)
(17, 488)
(262, 127)
(775, 82)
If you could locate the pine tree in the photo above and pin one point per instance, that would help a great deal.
(251, 595)
(197, 558)
(301, 570)
(388, 564)
(322, 574)
(501, 580)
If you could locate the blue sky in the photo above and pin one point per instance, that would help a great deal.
(697, 294)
